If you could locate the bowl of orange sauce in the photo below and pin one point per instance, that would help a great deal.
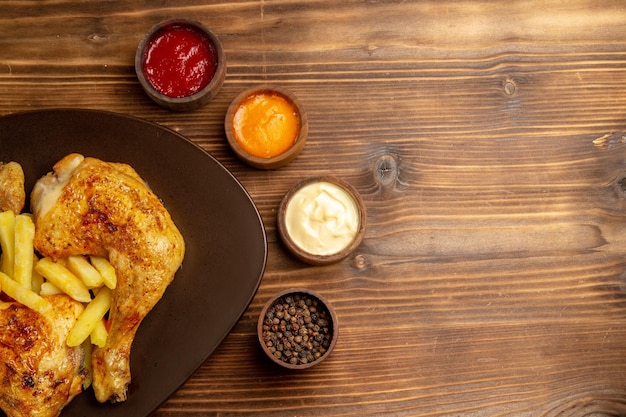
(266, 126)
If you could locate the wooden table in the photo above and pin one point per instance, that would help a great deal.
(488, 140)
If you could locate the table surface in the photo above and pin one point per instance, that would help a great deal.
(488, 141)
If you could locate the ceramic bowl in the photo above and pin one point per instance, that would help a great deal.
(259, 160)
(297, 328)
(299, 202)
(162, 74)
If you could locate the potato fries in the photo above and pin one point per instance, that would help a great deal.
(7, 241)
(48, 288)
(23, 295)
(64, 279)
(85, 271)
(106, 270)
(90, 317)
(29, 280)
(23, 260)
(36, 279)
(99, 334)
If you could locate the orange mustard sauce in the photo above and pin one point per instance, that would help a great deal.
(266, 124)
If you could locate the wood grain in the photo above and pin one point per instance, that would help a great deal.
(488, 140)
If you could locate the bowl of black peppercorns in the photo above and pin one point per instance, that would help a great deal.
(297, 328)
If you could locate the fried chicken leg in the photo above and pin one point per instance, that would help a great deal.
(90, 207)
(40, 374)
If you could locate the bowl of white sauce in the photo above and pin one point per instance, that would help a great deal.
(321, 220)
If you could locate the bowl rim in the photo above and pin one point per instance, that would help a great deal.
(278, 160)
(311, 293)
(305, 256)
(198, 98)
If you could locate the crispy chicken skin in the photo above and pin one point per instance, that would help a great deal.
(40, 374)
(12, 194)
(90, 207)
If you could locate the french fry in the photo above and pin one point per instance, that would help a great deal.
(23, 295)
(64, 279)
(63, 262)
(99, 334)
(36, 278)
(81, 267)
(7, 241)
(106, 270)
(90, 317)
(48, 288)
(23, 256)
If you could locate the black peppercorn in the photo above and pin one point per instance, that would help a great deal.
(297, 329)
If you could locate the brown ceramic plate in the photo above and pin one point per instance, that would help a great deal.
(214, 212)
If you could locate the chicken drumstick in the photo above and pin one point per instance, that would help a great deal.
(90, 207)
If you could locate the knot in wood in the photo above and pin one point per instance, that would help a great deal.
(621, 183)
(97, 37)
(386, 171)
(361, 262)
(509, 87)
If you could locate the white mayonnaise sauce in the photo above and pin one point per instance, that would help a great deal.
(322, 218)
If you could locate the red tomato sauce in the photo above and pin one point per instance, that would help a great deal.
(179, 61)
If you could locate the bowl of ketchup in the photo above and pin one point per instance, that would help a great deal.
(180, 64)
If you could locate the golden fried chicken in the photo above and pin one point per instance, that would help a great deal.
(90, 207)
(40, 374)
(12, 194)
